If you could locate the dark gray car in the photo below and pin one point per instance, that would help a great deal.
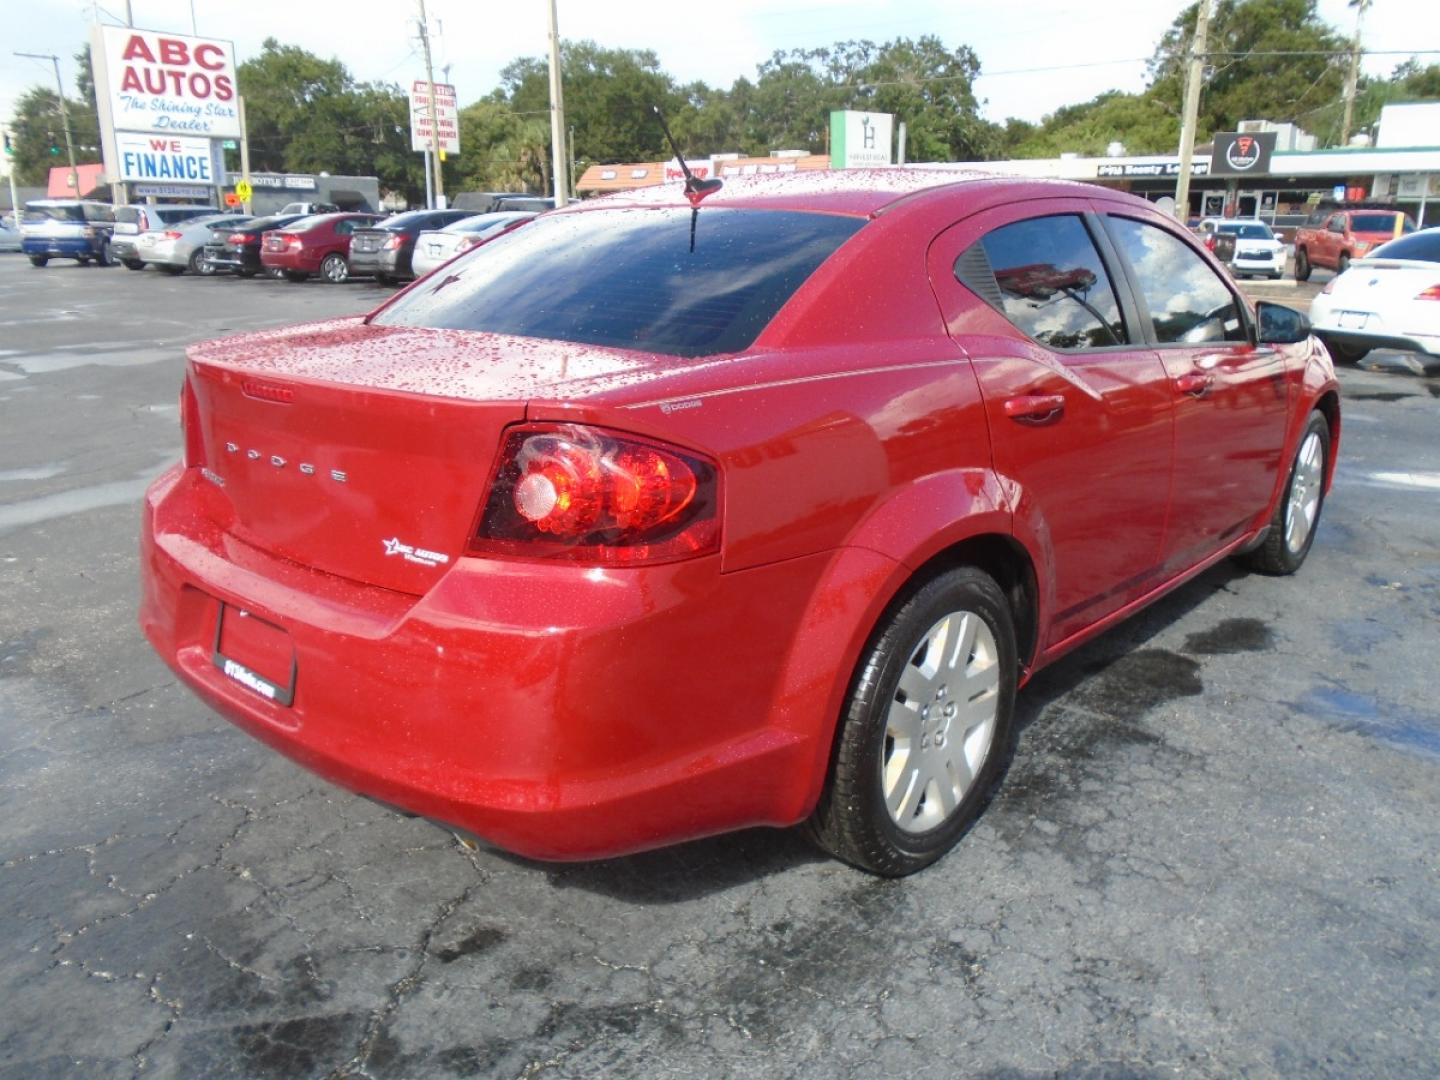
(385, 250)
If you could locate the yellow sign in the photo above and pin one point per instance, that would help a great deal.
(244, 190)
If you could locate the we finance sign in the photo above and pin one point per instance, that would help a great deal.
(150, 158)
(165, 83)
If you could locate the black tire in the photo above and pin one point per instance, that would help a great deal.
(132, 264)
(385, 279)
(39, 260)
(852, 820)
(1302, 265)
(246, 273)
(296, 276)
(274, 273)
(1347, 354)
(196, 263)
(1344, 263)
(102, 257)
(173, 271)
(334, 269)
(1280, 554)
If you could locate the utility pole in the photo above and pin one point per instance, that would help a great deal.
(64, 116)
(558, 168)
(434, 110)
(1360, 7)
(1194, 76)
(244, 150)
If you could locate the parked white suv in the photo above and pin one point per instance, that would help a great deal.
(1257, 252)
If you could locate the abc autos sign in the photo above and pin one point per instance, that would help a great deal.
(165, 83)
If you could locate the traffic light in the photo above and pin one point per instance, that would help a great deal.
(9, 147)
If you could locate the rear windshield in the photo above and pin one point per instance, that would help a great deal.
(1377, 223)
(1424, 246)
(1249, 232)
(34, 215)
(632, 279)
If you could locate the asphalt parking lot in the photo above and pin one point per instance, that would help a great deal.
(1217, 851)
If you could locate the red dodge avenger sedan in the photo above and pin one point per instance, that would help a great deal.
(652, 520)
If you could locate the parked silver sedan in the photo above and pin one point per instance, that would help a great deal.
(181, 246)
(441, 245)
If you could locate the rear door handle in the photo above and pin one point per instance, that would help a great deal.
(1035, 408)
(1194, 383)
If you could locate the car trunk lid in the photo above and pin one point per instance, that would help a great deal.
(364, 451)
(366, 241)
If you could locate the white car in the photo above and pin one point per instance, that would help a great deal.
(1256, 249)
(437, 246)
(1388, 300)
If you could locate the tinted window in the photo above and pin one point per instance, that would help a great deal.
(636, 279)
(1249, 232)
(1052, 283)
(36, 214)
(1424, 246)
(1376, 223)
(1188, 301)
(104, 214)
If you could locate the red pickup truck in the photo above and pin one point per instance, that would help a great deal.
(1332, 236)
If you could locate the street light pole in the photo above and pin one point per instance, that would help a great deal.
(64, 116)
(1194, 76)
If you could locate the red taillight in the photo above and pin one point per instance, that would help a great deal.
(1210, 242)
(237, 239)
(396, 241)
(1432, 293)
(190, 426)
(564, 491)
(171, 234)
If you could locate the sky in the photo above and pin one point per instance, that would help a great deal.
(1047, 54)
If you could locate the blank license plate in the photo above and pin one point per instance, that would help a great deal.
(256, 654)
(1354, 320)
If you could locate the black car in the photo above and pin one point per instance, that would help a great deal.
(235, 249)
(385, 249)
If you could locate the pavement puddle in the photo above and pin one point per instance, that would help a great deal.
(61, 504)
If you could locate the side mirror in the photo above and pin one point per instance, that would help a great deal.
(1281, 325)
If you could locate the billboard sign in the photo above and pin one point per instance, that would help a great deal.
(446, 113)
(165, 83)
(164, 159)
(860, 140)
(1241, 153)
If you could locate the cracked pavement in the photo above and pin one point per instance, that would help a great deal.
(1216, 851)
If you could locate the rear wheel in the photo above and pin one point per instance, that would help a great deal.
(246, 273)
(1302, 265)
(1292, 527)
(334, 269)
(132, 264)
(196, 263)
(39, 260)
(384, 279)
(103, 257)
(925, 729)
(1344, 263)
(1347, 354)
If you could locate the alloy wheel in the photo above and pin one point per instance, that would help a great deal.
(1303, 503)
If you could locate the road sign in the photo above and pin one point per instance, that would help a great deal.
(446, 110)
(229, 144)
(231, 199)
(243, 190)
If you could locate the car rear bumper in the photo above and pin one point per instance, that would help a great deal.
(288, 260)
(222, 260)
(1363, 339)
(124, 247)
(379, 262)
(649, 716)
(60, 246)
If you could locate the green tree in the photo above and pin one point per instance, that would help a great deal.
(37, 126)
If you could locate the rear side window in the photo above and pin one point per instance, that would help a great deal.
(1377, 223)
(34, 215)
(1188, 302)
(659, 280)
(1048, 280)
(1424, 246)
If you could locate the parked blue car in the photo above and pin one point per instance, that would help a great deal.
(76, 229)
